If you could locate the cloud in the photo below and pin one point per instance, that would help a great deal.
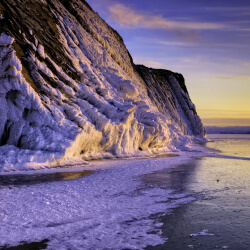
(130, 18)
(244, 29)
(147, 61)
(164, 42)
(189, 60)
(151, 64)
(230, 10)
(189, 43)
(177, 43)
(246, 64)
(235, 77)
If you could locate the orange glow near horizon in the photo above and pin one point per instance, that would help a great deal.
(221, 101)
(224, 118)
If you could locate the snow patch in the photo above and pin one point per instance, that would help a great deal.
(204, 232)
(40, 50)
(6, 40)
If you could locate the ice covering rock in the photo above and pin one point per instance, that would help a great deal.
(69, 89)
(169, 93)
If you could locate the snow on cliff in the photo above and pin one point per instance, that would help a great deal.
(69, 90)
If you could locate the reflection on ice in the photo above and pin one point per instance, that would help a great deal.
(24, 179)
(221, 188)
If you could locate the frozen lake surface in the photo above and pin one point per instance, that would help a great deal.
(219, 217)
(184, 202)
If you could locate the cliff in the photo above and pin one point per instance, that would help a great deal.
(168, 92)
(69, 90)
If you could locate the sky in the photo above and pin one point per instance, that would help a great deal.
(206, 41)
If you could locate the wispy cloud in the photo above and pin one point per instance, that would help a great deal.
(151, 64)
(177, 43)
(243, 29)
(235, 77)
(130, 18)
(147, 61)
(232, 10)
(246, 64)
(217, 113)
(192, 60)
(188, 43)
(164, 42)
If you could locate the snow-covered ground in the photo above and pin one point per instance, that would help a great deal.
(110, 209)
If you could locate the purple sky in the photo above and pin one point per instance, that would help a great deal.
(207, 41)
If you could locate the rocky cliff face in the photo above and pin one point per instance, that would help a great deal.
(69, 89)
(168, 92)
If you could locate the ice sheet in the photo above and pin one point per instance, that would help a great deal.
(109, 209)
